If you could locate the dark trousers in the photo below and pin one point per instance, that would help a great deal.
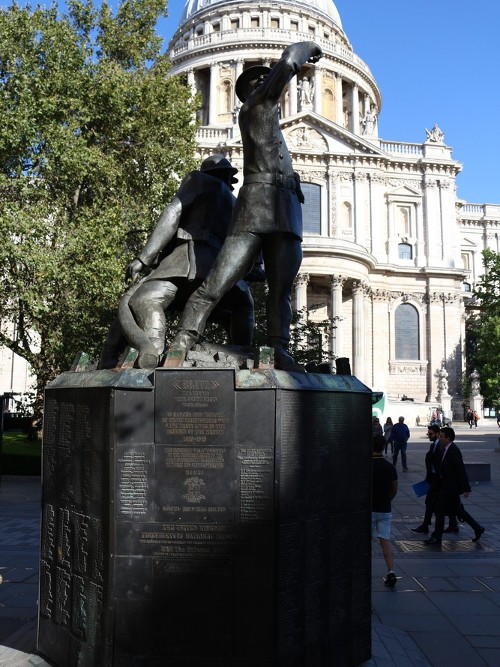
(430, 504)
(463, 515)
(282, 258)
(453, 523)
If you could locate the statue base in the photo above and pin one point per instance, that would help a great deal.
(213, 518)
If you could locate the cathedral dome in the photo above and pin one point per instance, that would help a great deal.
(326, 7)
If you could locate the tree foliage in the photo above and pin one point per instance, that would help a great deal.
(93, 141)
(484, 329)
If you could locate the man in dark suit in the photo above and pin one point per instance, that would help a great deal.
(432, 459)
(452, 483)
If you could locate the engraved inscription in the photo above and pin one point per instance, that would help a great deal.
(189, 541)
(195, 427)
(63, 538)
(81, 542)
(133, 483)
(192, 483)
(78, 620)
(256, 484)
(49, 528)
(50, 416)
(195, 393)
(83, 429)
(195, 459)
(46, 599)
(193, 409)
(62, 607)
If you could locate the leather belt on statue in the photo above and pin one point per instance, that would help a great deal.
(271, 179)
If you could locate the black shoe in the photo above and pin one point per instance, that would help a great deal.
(478, 534)
(432, 540)
(405, 469)
(391, 580)
(451, 529)
(284, 361)
(420, 529)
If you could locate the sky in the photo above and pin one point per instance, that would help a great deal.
(435, 61)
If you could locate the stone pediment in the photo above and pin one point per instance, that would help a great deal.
(404, 192)
(308, 132)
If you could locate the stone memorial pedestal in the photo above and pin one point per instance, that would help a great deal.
(206, 518)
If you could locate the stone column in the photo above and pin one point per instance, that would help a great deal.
(443, 396)
(476, 402)
(318, 90)
(191, 81)
(336, 284)
(339, 101)
(433, 222)
(301, 282)
(212, 104)
(355, 108)
(238, 69)
(292, 92)
(358, 329)
(359, 209)
(381, 336)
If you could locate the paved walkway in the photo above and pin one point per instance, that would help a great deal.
(445, 608)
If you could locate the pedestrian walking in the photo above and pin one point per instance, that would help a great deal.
(453, 483)
(432, 460)
(400, 435)
(388, 435)
(384, 489)
(376, 426)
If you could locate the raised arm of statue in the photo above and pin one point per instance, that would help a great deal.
(292, 59)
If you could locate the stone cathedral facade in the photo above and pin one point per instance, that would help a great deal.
(390, 253)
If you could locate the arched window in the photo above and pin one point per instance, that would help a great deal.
(226, 96)
(328, 103)
(346, 217)
(403, 221)
(405, 251)
(311, 208)
(407, 332)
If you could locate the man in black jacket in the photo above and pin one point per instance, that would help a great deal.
(384, 489)
(453, 482)
(432, 459)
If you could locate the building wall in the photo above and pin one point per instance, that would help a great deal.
(15, 373)
(375, 194)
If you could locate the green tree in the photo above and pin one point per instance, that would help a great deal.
(93, 141)
(484, 329)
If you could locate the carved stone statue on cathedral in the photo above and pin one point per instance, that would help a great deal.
(442, 382)
(435, 136)
(369, 122)
(306, 93)
(475, 386)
